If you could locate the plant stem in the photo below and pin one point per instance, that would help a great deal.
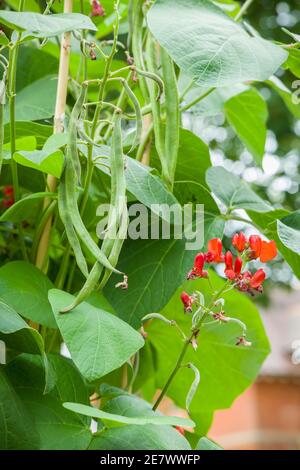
(12, 69)
(197, 100)
(243, 10)
(188, 341)
(61, 97)
(174, 371)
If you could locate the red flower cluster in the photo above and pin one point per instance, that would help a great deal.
(250, 249)
(255, 247)
(97, 9)
(8, 196)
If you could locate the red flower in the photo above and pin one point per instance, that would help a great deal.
(257, 279)
(261, 249)
(197, 270)
(255, 246)
(187, 301)
(230, 271)
(8, 200)
(214, 251)
(239, 241)
(97, 9)
(8, 190)
(268, 251)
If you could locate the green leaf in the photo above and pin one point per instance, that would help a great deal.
(36, 101)
(42, 160)
(26, 128)
(18, 335)
(41, 65)
(193, 158)
(292, 62)
(206, 444)
(55, 141)
(233, 191)
(24, 208)
(42, 26)
(155, 269)
(112, 420)
(285, 94)
(58, 429)
(247, 113)
(4, 41)
(149, 437)
(17, 430)
(226, 370)
(209, 46)
(98, 341)
(288, 230)
(212, 104)
(25, 288)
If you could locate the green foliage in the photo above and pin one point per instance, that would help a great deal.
(211, 47)
(62, 156)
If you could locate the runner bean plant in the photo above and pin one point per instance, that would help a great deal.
(95, 104)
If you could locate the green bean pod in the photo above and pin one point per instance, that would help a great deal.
(70, 177)
(156, 111)
(137, 42)
(110, 247)
(156, 78)
(172, 114)
(87, 288)
(138, 113)
(70, 232)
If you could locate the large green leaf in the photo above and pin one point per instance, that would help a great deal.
(26, 128)
(18, 335)
(16, 428)
(41, 64)
(247, 113)
(25, 288)
(25, 208)
(43, 26)
(42, 160)
(115, 420)
(289, 231)
(193, 157)
(226, 370)
(57, 428)
(36, 101)
(98, 341)
(155, 269)
(209, 46)
(27, 371)
(233, 191)
(149, 437)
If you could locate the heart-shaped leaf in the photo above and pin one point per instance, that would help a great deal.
(98, 341)
(209, 46)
